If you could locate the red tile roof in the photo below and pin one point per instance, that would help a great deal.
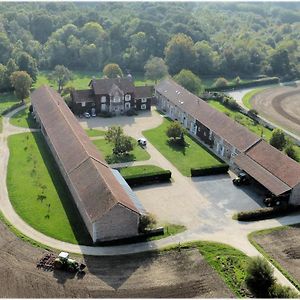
(89, 175)
(231, 131)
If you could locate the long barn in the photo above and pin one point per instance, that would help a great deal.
(109, 208)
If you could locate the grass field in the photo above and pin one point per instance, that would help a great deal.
(242, 119)
(38, 193)
(7, 100)
(106, 149)
(137, 170)
(94, 132)
(193, 155)
(23, 119)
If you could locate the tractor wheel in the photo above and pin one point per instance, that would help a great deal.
(58, 265)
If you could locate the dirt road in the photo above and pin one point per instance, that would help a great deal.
(170, 274)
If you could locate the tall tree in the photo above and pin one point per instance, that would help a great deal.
(189, 80)
(180, 53)
(28, 64)
(112, 71)
(21, 81)
(41, 26)
(61, 75)
(155, 68)
(278, 139)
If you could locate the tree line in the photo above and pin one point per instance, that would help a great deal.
(228, 39)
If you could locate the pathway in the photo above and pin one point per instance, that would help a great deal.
(234, 234)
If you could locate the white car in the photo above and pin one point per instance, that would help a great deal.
(142, 142)
(87, 115)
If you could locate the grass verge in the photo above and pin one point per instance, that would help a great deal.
(230, 263)
(38, 192)
(94, 132)
(259, 248)
(193, 155)
(247, 97)
(106, 148)
(139, 170)
(170, 229)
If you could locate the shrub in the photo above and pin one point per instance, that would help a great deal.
(279, 291)
(265, 213)
(131, 112)
(259, 277)
(253, 112)
(278, 139)
(220, 82)
(147, 222)
(290, 151)
(138, 179)
(231, 103)
(213, 170)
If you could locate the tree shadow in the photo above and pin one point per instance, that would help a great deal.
(79, 229)
(175, 145)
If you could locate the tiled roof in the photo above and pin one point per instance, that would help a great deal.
(83, 96)
(231, 131)
(143, 92)
(89, 175)
(104, 86)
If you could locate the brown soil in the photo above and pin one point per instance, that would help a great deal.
(280, 105)
(284, 247)
(169, 274)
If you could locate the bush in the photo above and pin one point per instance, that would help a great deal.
(138, 179)
(221, 82)
(231, 103)
(213, 170)
(265, 213)
(279, 291)
(259, 277)
(147, 222)
(252, 112)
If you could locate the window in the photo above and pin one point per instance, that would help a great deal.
(117, 99)
(127, 97)
(127, 106)
(143, 106)
(103, 99)
(144, 100)
(82, 104)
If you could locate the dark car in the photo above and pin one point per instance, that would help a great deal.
(242, 179)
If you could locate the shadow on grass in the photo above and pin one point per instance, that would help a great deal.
(114, 159)
(23, 118)
(78, 227)
(177, 146)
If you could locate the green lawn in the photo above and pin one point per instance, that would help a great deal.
(38, 193)
(193, 155)
(106, 148)
(247, 97)
(242, 119)
(230, 263)
(94, 132)
(23, 119)
(137, 170)
(169, 229)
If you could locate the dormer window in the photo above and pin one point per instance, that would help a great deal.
(127, 97)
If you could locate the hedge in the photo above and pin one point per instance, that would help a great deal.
(213, 170)
(254, 83)
(159, 176)
(14, 106)
(266, 213)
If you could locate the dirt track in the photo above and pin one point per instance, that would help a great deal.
(280, 105)
(284, 246)
(169, 275)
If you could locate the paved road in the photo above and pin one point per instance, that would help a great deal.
(204, 226)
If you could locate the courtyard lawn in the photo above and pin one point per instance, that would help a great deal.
(139, 170)
(38, 192)
(94, 132)
(23, 119)
(194, 155)
(106, 149)
(242, 119)
(7, 100)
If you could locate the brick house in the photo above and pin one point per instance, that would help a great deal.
(108, 207)
(232, 142)
(116, 96)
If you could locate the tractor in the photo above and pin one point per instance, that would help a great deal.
(63, 262)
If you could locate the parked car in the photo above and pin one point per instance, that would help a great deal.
(142, 142)
(87, 115)
(241, 179)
